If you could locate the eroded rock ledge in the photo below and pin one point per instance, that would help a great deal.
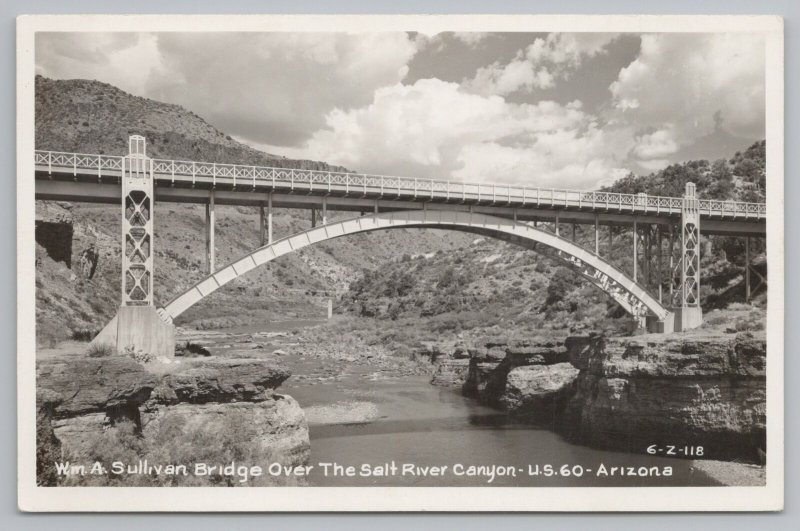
(625, 393)
(80, 398)
(671, 390)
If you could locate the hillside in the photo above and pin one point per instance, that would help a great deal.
(740, 178)
(83, 116)
(81, 293)
(492, 287)
(413, 284)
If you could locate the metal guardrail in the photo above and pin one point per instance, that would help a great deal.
(310, 180)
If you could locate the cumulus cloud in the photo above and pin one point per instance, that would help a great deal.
(278, 87)
(541, 64)
(657, 144)
(263, 87)
(341, 97)
(683, 80)
(471, 38)
(434, 129)
(121, 59)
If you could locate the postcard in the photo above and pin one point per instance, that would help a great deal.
(400, 263)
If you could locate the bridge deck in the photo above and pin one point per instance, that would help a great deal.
(95, 178)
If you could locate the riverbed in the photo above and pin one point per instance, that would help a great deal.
(373, 420)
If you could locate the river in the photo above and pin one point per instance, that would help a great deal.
(362, 416)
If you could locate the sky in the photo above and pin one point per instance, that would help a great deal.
(569, 110)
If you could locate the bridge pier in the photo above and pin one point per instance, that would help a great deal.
(671, 261)
(262, 225)
(265, 222)
(635, 251)
(210, 223)
(138, 325)
(688, 313)
(659, 263)
(747, 269)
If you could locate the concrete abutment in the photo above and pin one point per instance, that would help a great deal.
(140, 328)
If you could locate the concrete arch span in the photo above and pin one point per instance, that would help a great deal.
(630, 295)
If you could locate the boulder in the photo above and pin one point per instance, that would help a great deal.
(538, 390)
(272, 430)
(96, 408)
(492, 358)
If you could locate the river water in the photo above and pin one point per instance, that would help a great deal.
(416, 423)
(363, 417)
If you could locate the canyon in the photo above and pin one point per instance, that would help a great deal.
(626, 393)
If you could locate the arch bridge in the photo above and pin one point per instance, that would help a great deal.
(662, 290)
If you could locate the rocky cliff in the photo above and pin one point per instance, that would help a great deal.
(630, 393)
(113, 409)
(674, 390)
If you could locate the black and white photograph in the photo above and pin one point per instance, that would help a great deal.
(400, 263)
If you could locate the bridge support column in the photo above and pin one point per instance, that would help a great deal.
(648, 256)
(210, 222)
(659, 265)
(269, 219)
(324, 210)
(596, 235)
(747, 269)
(137, 325)
(313, 217)
(688, 313)
(556, 228)
(635, 251)
(262, 225)
(671, 262)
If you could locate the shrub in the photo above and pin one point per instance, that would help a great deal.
(100, 350)
(84, 334)
(190, 349)
(138, 355)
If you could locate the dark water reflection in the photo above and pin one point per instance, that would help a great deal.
(420, 424)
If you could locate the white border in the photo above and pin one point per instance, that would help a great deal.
(33, 498)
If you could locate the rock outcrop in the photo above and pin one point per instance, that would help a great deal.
(74, 387)
(220, 380)
(671, 390)
(198, 410)
(633, 392)
(529, 377)
(538, 388)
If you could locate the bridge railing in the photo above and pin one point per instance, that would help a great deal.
(311, 180)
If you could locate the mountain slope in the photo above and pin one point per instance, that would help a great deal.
(496, 287)
(83, 116)
(82, 293)
(439, 282)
